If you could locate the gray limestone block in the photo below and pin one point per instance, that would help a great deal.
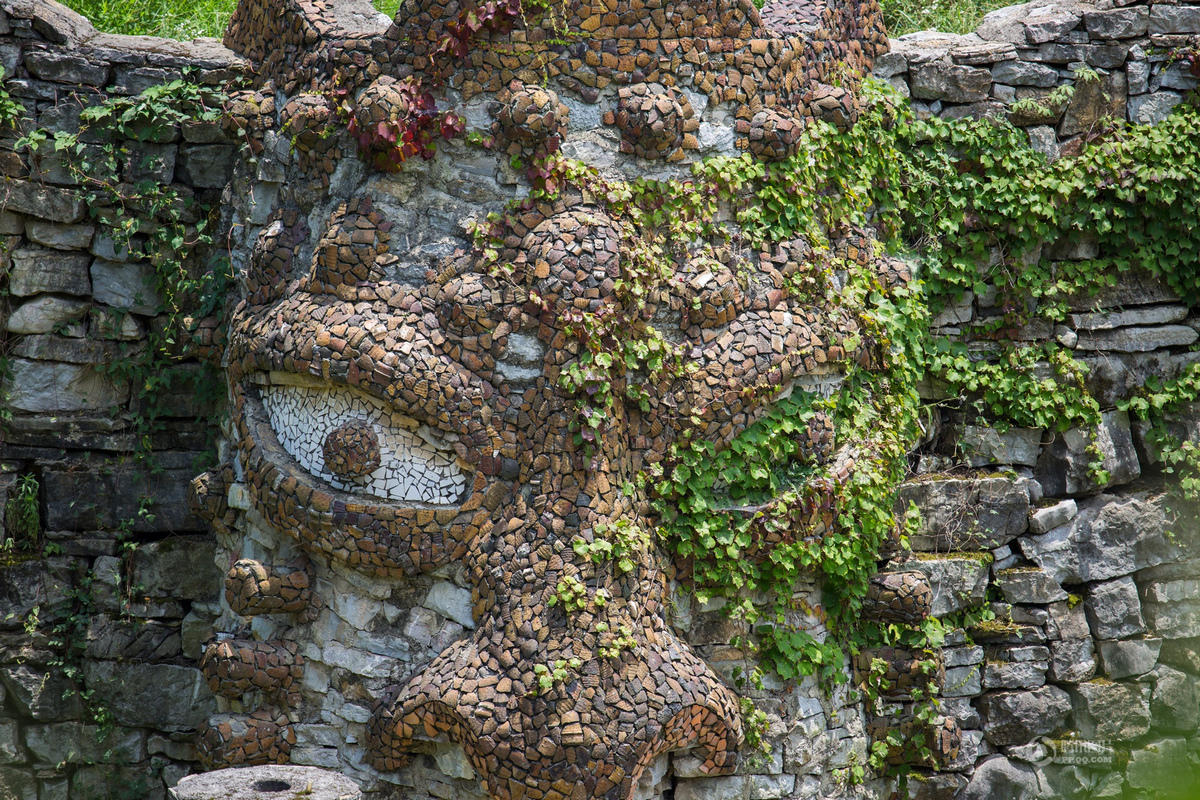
(953, 83)
(1001, 778)
(1129, 657)
(1012, 718)
(36, 270)
(1072, 660)
(40, 693)
(1175, 700)
(80, 743)
(1161, 767)
(1108, 710)
(1028, 585)
(1174, 620)
(1051, 21)
(1049, 517)
(890, 64)
(206, 165)
(1149, 109)
(44, 202)
(1146, 315)
(179, 567)
(1025, 73)
(166, 697)
(106, 493)
(1066, 465)
(451, 601)
(1014, 674)
(1067, 620)
(1137, 339)
(11, 750)
(48, 386)
(1005, 24)
(983, 446)
(60, 67)
(1165, 18)
(18, 783)
(965, 681)
(58, 236)
(49, 314)
(150, 161)
(1106, 56)
(127, 286)
(959, 581)
(1114, 610)
(967, 513)
(1117, 23)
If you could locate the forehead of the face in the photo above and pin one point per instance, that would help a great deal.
(726, 50)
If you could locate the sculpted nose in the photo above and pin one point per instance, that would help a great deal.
(550, 726)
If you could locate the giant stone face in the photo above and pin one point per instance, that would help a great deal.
(398, 402)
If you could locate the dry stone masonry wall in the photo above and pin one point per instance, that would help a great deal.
(1121, 60)
(75, 302)
(378, 576)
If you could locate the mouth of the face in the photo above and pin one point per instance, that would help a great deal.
(358, 445)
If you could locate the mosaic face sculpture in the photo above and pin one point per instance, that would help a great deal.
(397, 425)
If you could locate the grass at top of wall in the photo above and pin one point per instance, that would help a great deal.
(188, 19)
(948, 16)
(174, 19)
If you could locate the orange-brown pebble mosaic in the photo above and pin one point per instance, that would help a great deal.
(549, 701)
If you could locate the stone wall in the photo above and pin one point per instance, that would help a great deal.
(72, 304)
(1123, 60)
(1093, 585)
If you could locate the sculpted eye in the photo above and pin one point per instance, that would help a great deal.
(357, 444)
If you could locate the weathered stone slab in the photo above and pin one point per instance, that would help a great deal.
(1114, 610)
(48, 314)
(982, 446)
(1072, 660)
(1118, 23)
(1067, 465)
(35, 270)
(1129, 657)
(1025, 73)
(125, 285)
(47, 386)
(1108, 710)
(61, 237)
(240, 784)
(1012, 718)
(967, 514)
(1046, 518)
(953, 83)
(1137, 339)
(44, 202)
(1028, 585)
(1166, 18)
(1111, 537)
(1147, 315)
(80, 743)
(41, 693)
(165, 697)
(180, 567)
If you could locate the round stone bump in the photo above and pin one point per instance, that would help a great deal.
(352, 450)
